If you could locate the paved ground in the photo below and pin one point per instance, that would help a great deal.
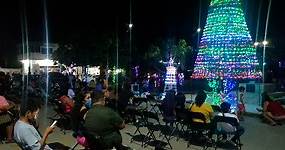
(258, 136)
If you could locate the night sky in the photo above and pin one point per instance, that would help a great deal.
(152, 19)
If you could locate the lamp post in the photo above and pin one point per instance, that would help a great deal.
(130, 42)
(265, 41)
(130, 30)
(264, 45)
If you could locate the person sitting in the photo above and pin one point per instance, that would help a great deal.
(5, 118)
(202, 107)
(225, 112)
(273, 111)
(180, 100)
(82, 104)
(67, 102)
(110, 98)
(124, 97)
(168, 106)
(25, 133)
(104, 122)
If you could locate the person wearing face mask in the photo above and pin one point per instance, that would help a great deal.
(87, 100)
(25, 133)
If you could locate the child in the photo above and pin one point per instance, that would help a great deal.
(241, 107)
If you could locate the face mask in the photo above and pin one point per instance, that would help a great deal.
(88, 103)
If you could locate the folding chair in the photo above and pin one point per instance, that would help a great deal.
(183, 118)
(155, 105)
(139, 123)
(200, 130)
(152, 124)
(138, 101)
(168, 129)
(226, 126)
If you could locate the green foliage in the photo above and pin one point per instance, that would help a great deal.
(162, 48)
(92, 51)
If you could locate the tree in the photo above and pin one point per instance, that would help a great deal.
(226, 49)
(161, 50)
(91, 51)
(179, 52)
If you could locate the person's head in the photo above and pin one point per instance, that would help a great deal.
(200, 98)
(265, 97)
(241, 89)
(87, 99)
(30, 109)
(108, 92)
(98, 98)
(225, 107)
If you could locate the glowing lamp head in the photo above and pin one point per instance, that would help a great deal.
(265, 43)
(256, 43)
(130, 25)
(199, 30)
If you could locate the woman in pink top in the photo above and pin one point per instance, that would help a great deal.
(5, 118)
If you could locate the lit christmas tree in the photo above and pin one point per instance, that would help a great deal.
(170, 78)
(226, 51)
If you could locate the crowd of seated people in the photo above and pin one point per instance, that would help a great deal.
(97, 113)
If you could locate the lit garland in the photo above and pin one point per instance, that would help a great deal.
(181, 78)
(229, 85)
(226, 49)
(213, 97)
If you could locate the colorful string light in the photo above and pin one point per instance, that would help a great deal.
(226, 51)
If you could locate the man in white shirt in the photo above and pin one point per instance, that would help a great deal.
(226, 127)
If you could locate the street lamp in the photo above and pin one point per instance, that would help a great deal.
(265, 43)
(130, 26)
(256, 44)
(199, 30)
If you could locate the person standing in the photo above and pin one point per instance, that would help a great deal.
(241, 106)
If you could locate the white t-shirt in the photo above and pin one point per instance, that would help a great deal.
(226, 127)
(27, 136)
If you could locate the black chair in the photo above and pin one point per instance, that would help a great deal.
(216, 108)
(199, 130)
(231, 124)
(152, 124)
(139, 123)
(183, 119)
(138, 101)
(154, 104)
(168, 129)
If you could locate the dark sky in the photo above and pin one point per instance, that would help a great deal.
(152, 19)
